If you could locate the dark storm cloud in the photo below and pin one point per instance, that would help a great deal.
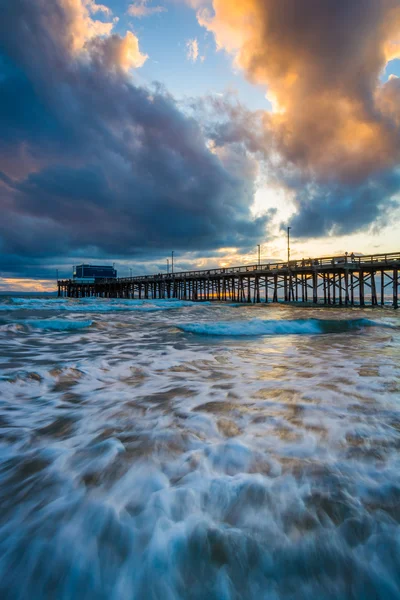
(318, 206)
(335, 140)
(91, 161)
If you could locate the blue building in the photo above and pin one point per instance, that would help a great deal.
(92, 273)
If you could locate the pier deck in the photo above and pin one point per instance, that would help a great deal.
(337, 280)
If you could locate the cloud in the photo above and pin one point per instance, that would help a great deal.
(359, 206)
(26, 285)
(116, 52)
(141, 9)
(192, 50)
(91, 164)
(334, 123)
(95, 8)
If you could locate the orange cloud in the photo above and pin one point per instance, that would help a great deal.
(320, 62)
(86, 35)
(82, 27)
(117, 52)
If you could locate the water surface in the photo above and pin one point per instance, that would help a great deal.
(170, 450)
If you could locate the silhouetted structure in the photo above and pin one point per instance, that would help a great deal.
(338, 280)
(93, 273)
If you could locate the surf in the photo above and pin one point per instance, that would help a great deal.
(259, 327)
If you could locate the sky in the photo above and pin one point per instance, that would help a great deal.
(133, 128)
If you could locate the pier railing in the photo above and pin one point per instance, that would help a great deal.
(298, 264)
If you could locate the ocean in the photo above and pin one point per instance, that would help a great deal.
(168, 450)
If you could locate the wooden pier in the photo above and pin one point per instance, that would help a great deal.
(337, 280)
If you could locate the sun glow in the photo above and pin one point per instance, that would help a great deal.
(26, 285)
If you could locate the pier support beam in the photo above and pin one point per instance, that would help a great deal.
(361, 287)
(275, 297)
(315, 287)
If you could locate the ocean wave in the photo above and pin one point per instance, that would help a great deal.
(11, 327)
(94, 305)
(57, 324)
(278, 327)
(109, 309)
(22, 300)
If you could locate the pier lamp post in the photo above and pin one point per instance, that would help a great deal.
(288, 244)
(172, 261)
(259, 254)
(130, 272)
(167, 265)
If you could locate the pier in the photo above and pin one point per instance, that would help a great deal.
(338, 280)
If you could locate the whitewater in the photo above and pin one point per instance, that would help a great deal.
(198, 451)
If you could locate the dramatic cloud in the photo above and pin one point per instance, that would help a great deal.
(142, 9)
(92, 164)
(192, 50)
(333, 122)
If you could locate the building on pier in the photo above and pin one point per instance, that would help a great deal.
(92, 273)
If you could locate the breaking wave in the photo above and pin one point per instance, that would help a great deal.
(278, 327)
(95, 305)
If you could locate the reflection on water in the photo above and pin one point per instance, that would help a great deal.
(144, 456)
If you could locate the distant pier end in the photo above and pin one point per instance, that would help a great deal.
(338, 280)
